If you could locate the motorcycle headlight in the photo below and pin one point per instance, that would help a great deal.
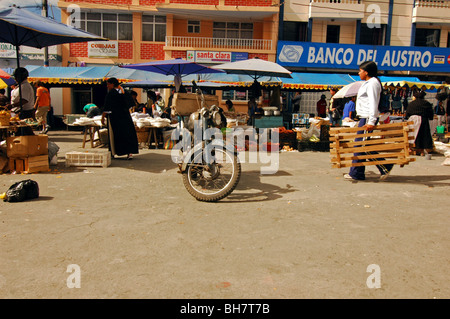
(217, 120)
(192, 119)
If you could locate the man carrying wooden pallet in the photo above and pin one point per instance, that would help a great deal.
(367, 109)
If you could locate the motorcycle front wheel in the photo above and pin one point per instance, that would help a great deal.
(210, 183)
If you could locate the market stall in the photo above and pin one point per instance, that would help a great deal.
(20, 150)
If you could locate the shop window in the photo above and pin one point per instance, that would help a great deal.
(153, 28)
(372, 36)
(333, 33)
(233, 31)
(235, 95)
(295, 31)
(448, 40)
(193, 26)
(108, 25)
(427, 38)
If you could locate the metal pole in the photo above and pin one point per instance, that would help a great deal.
(45, 14)
(18, 65)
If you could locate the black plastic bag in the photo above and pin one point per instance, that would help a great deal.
(23, 190)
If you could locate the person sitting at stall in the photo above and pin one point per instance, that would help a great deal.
(135, 106)
(92, 110)
(159, 103)
(230, 107)
(252, 110)
(22, 96)
(3, 98)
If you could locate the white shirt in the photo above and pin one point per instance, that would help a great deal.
(27, 94)
(368, 99)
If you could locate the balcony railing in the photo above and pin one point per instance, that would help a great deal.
(432, 4)
(339, 9)
(430, 11)
(218, 43)
(338, 1)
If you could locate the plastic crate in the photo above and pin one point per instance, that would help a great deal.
(88, 158)
(69, 119)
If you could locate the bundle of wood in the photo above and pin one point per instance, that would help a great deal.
(386, 144)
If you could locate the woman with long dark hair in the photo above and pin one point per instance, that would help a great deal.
(424, 110)
(367, 109)
(121, 131)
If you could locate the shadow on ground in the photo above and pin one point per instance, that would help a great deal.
(426, 180)
(251, 188)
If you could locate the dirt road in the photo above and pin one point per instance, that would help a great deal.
(132, 231)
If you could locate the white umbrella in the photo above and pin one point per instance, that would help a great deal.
(348, 90)
(255, 68)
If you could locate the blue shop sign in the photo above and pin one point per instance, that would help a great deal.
(350, 56)
(239, 56)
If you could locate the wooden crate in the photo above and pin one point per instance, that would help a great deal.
(187, 103)
(32, 164)
(390, 141)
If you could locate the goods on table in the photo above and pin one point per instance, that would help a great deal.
(5, 117)
(142, 120)
(236, 119)
(390, 141)
(84, 121)
(300, 118)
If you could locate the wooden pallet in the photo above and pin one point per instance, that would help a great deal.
(390, 141)
(31, 164)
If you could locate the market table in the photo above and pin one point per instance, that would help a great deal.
(89, 135)
(148, 135)
(10, 130)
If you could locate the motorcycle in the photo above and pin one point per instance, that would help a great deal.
(209, 166)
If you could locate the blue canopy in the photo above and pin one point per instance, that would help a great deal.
(316, 81)
(407, 81)
(124, 75)
(148, 84)
(172, 67)
(67, 75)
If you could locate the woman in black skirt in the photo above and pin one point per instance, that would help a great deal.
(121, 131)
(420, 107)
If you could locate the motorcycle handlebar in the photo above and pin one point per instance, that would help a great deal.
(195, 86)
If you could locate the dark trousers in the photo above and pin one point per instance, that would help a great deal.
(358, 172)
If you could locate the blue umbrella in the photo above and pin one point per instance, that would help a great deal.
(23, 27)
(177, 67)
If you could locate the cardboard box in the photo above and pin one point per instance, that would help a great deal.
(29, 145)
(187, 103)
(32, 164)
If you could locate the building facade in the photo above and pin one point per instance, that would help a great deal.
(412, 25)
(409, 38)
(205, 31)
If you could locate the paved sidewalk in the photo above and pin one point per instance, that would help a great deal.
(304, 232)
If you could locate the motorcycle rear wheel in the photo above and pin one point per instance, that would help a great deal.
(211, 185)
